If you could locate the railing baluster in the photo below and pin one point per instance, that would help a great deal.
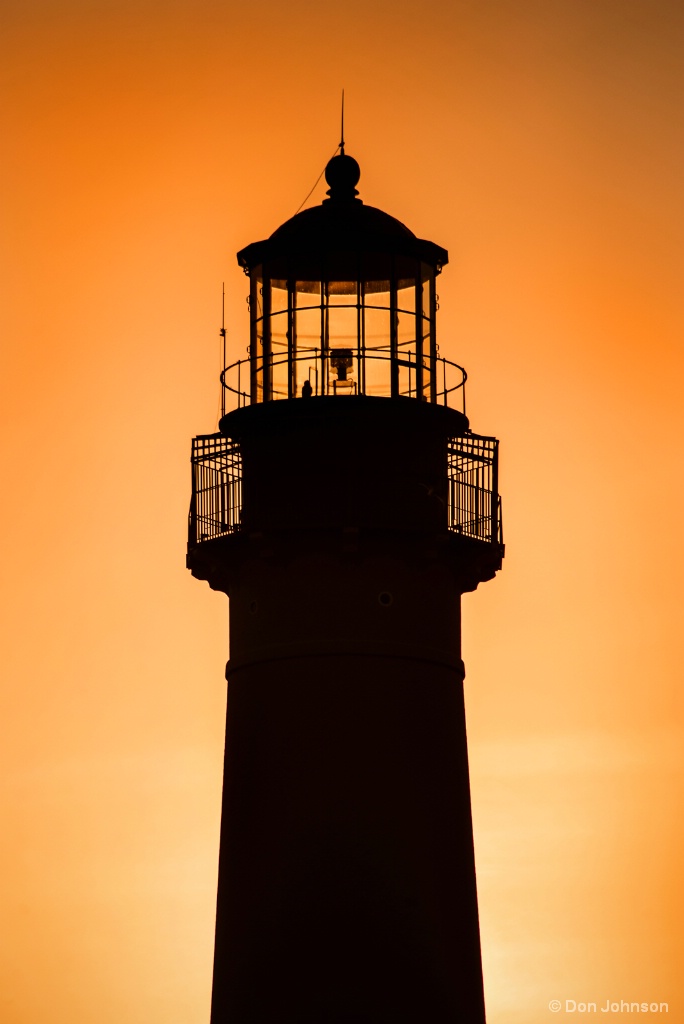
(472, 491)
(473, 499)
(216, 488)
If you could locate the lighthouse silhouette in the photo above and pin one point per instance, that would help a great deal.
(344, 507)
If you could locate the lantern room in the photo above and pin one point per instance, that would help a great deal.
(343, 302)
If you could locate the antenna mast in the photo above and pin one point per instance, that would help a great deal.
(222, 332)
(342, 127)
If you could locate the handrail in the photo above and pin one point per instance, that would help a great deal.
(314, 355)
(473, 505)
(473, 472)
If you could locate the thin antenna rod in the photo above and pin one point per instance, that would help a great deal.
(341, 149)
(223, 336)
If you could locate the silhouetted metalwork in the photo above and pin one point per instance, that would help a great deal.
(343, 276)
(345, 507)
(473, 509)
(474, 503)
(373, 373)
(216, 488)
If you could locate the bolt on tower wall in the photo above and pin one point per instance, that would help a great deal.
(344, 507)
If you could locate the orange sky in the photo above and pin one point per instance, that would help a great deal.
(540, 142)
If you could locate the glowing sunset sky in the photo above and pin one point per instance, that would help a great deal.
(540, 142)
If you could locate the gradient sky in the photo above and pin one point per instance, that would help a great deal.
(540, 142)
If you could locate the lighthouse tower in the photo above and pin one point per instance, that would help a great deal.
(344, 507)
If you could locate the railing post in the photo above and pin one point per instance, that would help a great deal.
(495, 494)
(216, 498)
(192, 515)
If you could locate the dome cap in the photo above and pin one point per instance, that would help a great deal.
(339, 237)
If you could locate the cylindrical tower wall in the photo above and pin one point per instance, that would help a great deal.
(339, 462)
(346, 880)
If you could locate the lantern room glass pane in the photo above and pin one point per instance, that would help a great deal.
(279, 296)
(406, 331)
(407, 381)
(307, 336)
(279, 355)
(377, 293)
(258, 363)
(341, 327)
(342, 291)
(406, 350)
(427, 289)
(307, 292)
(307, 316)
(406, 298)
(307, 368)
(279, 323)
(279, 338)
(377, 346)
(308, 328)
(256, 302)
(406, 321)
(377, 327)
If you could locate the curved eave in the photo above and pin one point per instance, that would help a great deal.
(328, 230)
(265, 252)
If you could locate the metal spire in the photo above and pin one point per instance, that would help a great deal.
(342, 127)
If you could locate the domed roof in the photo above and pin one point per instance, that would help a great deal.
(340, 225)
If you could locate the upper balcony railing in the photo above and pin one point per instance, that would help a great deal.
(216, 503)
(473, 503)
(342, 371)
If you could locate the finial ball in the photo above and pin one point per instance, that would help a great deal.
(342, 174)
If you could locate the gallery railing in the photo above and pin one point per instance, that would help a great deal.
(371, 372)
(216, 502)
(473, 503)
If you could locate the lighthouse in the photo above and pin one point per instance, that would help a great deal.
(344, 506)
